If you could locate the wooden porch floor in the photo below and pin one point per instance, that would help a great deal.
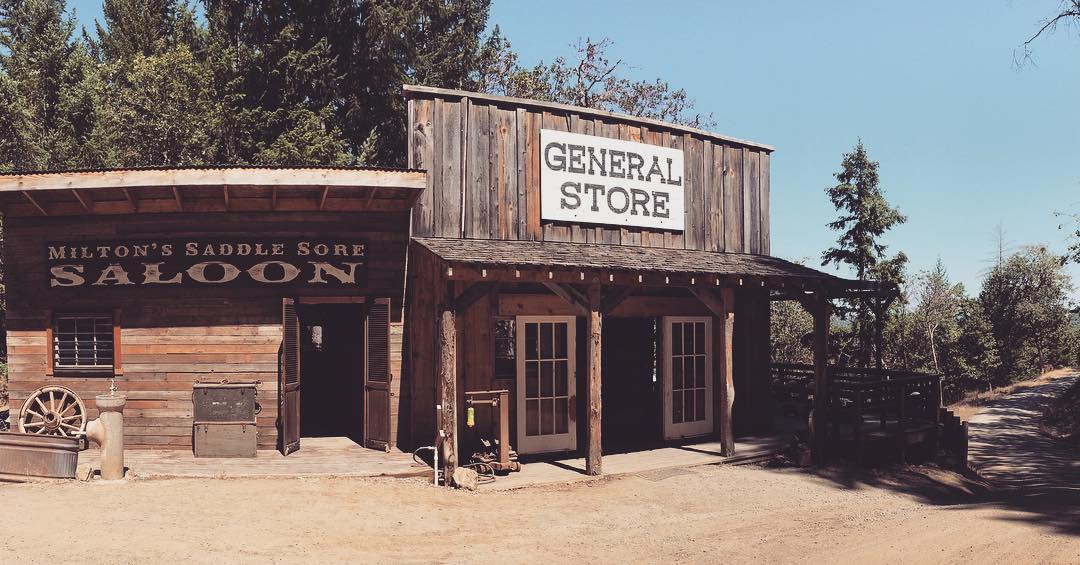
(341, 457)
(747, 449)
(317, 457)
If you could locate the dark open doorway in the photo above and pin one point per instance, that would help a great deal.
(630, 391)
(332, 370)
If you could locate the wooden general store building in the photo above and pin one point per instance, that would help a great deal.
(612, 272)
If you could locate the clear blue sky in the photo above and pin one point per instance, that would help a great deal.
(965, 139)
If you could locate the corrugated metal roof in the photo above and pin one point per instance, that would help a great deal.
(212, 167)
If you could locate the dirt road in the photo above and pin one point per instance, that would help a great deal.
(701, 515)
(1008, 449)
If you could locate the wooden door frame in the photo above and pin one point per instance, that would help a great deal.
(670, 430)
(302, 300)
(519, 381)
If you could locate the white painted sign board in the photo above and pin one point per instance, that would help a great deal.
(598, 180)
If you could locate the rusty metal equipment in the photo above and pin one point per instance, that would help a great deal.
(54, 411)
(498, 454)
(224, 423)
(26, 457)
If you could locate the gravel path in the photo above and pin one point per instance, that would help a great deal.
(1007, 448)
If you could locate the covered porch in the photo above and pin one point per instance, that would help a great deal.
(695, 301)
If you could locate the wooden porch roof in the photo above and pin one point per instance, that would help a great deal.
(208, 189)
(584, 262)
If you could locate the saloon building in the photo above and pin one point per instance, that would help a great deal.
(613, 273)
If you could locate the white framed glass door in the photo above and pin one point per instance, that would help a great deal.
(546, 390)
(688, 377)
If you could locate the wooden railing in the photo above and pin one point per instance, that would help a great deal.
(885, 403)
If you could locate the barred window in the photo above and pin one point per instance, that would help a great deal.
(83, 343)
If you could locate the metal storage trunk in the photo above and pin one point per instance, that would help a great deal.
(224, 401)
(225, 419)
(225, 439)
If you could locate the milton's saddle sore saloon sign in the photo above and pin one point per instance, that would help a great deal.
(599, 180)
(212, 262)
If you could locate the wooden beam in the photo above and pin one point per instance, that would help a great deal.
(471, 294)
(448, 392)
(371, 196)
(131, 199)
(86, 204)
(727, 379)
(714, 303)
(593, 450)
(563, 291)
(36, 204)
(322, 199)
(819, 421)
(614, 297)
(225, 194)
(179, 201)
(415, 181)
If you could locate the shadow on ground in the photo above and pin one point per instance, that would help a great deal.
(1015, 467)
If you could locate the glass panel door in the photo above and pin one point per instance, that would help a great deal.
(688, 377)
(545, 384)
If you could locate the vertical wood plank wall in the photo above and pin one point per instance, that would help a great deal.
(483, 163)
(172, 337)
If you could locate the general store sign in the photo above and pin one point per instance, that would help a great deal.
(598, 180)
(331, 262)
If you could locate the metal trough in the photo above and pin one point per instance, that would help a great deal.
(28, 457)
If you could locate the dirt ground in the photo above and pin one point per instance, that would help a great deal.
(698, 515)
(974, 402)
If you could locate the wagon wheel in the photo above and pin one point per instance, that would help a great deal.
(54, 411)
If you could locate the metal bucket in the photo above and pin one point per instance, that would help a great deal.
(27, 457)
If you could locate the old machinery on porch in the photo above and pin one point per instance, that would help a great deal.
(225, 424)
(54, 427)
(54, 411)
(496, 453)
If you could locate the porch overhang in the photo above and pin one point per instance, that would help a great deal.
(208, 189)
(506, 261)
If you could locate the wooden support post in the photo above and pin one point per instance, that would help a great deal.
(594, 452)
(879, 321)
(819, 423)
(727, 379)
(448, 390)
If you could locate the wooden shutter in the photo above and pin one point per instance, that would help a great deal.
(377, 375)
(289, 379)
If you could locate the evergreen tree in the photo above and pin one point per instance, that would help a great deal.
(279, 68)
(429, 42)
(55, 77)
(865, 217)
(144, 27)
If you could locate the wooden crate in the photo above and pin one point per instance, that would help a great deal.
(225, 439)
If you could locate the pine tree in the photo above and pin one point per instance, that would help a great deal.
(278, 68)
(865, 217)
(429, 42)
(144, 27)
(56, 78)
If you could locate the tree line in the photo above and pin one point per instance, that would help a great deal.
(1019, 322)
(268, 82)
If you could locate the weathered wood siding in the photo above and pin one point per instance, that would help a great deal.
(171, 337)
(483, 161)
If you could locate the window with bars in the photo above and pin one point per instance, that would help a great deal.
(83, 343)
